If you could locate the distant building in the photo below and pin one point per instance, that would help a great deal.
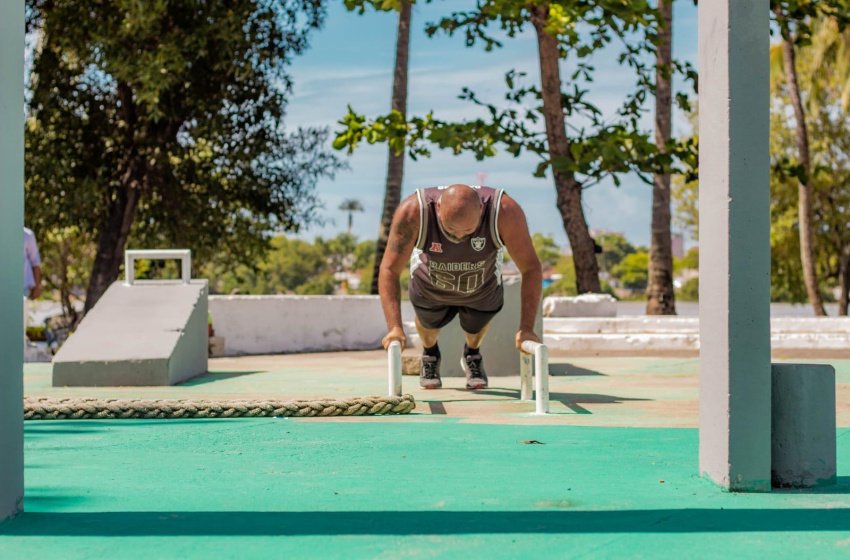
(594, 233)
(678, 241)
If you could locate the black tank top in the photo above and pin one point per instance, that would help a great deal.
(468, 273)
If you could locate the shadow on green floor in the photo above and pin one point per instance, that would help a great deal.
(251, 523)
(213, 376)
(573, 401)
(569, 370)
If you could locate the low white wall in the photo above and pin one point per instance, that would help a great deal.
(287, 324)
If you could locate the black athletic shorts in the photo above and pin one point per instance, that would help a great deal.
(437, 316)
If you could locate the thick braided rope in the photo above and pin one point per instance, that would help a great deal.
(45, 408)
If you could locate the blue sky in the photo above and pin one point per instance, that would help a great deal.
(350, 61)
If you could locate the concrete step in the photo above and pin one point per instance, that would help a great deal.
(663, 325)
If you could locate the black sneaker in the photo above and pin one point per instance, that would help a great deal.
(473, 367)
(429, 375)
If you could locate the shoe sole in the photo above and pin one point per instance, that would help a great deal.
(464, 368)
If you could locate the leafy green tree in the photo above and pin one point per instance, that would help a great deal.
(364, 254)
(547, 250)
(163, 122)
(632, 272)
(338, 251)
(566, 285)
(289, 264)
(615, 247)
(582, 146)
(821, 82)
(321, 285)
(689, 290)
(794, 19)
(67, 255)
(690, 261)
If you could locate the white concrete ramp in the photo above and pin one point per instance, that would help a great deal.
(139, 334)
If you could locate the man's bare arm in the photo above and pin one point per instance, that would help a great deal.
(513, 229)
(403, 234)
(35, 292)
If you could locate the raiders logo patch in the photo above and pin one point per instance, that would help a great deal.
(478, 243)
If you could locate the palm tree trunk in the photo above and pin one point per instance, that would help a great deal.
(807, 233)
(660, 297)
(395, 165)
(567, 187)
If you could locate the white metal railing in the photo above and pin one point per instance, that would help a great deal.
(183, 255)
(530, 349)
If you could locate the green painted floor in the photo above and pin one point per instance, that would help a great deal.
(280, 488)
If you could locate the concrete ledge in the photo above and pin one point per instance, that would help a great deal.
(585, 305)
(640, 324)
(803, 447)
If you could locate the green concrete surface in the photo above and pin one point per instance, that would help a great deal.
(277, 488)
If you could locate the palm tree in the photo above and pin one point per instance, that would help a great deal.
(395, 165)
(351, 206)
(567, 186)
(660, 297)
(830, 50)
(785, 53)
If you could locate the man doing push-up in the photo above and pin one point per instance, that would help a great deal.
(454, 239)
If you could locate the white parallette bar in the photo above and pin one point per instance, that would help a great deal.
(526, 387)
(394, 369)
(183, 255)
(541, 372)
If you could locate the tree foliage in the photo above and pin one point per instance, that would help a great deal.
(601, 146)
(295, 266)
(615, 247)
(633, 271)
(164, 121)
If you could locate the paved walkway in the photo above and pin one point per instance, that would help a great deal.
(469, 475)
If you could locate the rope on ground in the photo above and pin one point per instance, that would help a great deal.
(46, 408)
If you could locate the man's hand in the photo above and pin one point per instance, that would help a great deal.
(395, 334)
(35, 292)
(525, 334)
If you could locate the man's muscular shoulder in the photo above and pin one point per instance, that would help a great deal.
(510, 213)
(408, 211)
(405, 227)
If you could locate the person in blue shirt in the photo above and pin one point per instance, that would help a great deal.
(32, 275)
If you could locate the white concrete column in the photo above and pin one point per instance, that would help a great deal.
(734, 244)
(11, 256)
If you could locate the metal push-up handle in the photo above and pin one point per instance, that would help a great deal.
(541, 368)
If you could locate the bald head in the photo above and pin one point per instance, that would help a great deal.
(459, 210)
